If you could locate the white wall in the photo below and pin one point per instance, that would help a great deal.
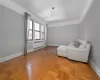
(18, 9)
(12, 32)
(91, 28)
(63, 35)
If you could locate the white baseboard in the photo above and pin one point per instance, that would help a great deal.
(30, 50)
(13, 56)
(53, 45)
(95, 67)
(35, 49)
(10, 57)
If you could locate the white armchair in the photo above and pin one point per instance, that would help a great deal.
(79, 54)
(73, 53)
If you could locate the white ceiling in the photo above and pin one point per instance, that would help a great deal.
(64, 9)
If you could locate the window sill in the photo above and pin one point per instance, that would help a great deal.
(37, 41)
(30, 41)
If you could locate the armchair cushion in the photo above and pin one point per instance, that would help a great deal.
(75, 44)
(62, 48)
(82, 46)
(82, 41)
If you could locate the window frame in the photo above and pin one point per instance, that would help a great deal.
(30, 30)
(43, 32)
(40, 39)
(37, 30)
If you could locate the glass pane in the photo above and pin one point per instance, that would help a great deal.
(30, 27)
(37, 35)
(42, 36)
(42, 28)
(37, 26)
(30, 33)
(30, 37)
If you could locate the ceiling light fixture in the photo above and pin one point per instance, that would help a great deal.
(52, 12)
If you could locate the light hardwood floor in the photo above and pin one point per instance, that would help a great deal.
(44, 64)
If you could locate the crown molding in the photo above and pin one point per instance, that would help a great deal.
(13, 6)
(63, 23)
(70, 22)
(17, 8)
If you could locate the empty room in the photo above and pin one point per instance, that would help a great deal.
(49, 40)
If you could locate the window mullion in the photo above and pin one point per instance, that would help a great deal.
(37, 31)
(40, 31)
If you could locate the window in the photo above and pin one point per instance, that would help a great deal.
(30, 30)
(39, 31)
(42, 32)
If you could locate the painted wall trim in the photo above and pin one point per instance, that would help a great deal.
(30, 50)
(13, 6)
(63, 23)
(17, 8)
(13, 56)
(53, 45)
(95, 67)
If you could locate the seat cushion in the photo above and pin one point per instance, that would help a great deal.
(62, 48)
(63, 54)
(62, 51)
(82, 41)
(82, 46)
(75, 44)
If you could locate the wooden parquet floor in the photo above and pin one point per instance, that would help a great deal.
(44, 64)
